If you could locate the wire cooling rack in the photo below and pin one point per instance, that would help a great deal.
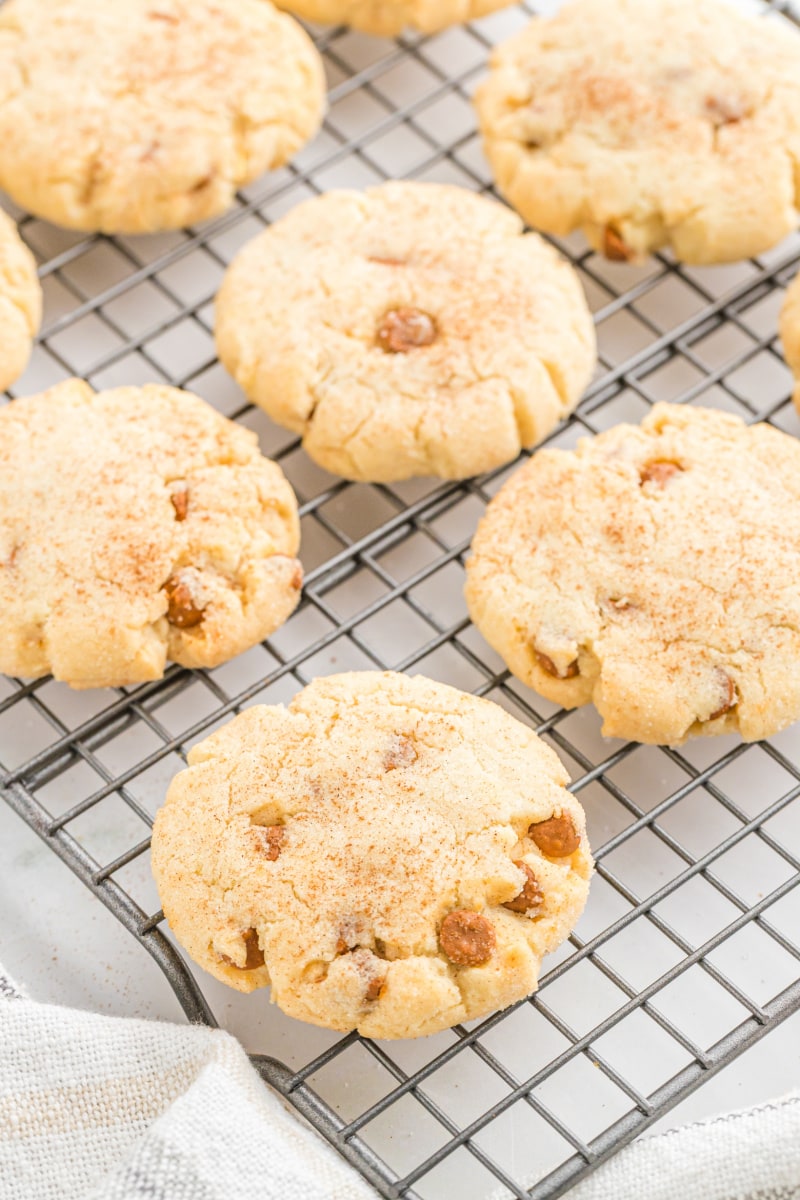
(689, 949)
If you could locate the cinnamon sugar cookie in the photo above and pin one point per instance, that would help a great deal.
(790, 333)
(654, 572)
(412, 329)
(388, 18)
(136, 526)
(390, 854)
(139, 115)
(20, 302)
(667, 123)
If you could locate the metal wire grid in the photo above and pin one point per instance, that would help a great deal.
(688, 952)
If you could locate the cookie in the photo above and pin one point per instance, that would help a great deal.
(790, 333)
(671, 123)
(412, 329)
(387, 18)
(142, 115)
(654, 572)
(136, 525)
(20, 302)
(390, 854)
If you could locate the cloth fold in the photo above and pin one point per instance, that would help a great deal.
(110, 1108)
(753, 1154)
(106, 1108)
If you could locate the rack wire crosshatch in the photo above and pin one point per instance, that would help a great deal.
(689, 950)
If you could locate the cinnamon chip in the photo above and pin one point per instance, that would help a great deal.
(353, 932)
(467, 938)
(269, 839)
(615, 248)
(557, 837)
(660, 471)
(550, 667)
(185, 608)
(728, 694)
(254, 954)
(531, 895)
(404, 329)
(371, 971)
(180, 502)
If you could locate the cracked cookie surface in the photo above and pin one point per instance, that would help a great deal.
(654, 572)
(412, 329)
(387, 18)
(136, 525)
(671, 123)
(20, 302)
(143, 115)
(369, 852)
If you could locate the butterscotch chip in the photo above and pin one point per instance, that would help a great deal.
(557, 837)
(119, 583)
(531, 895)
(372, 973)
(404, 329)
(375, 987)
(354, 931)
(728, 690)
(125, 118)
(254, 955)
(269, 839)
(670, 123)
(693, 515)
(547, 665)
(456, 338)
(467, 938)
(184, 591)
(615, 248)
(20, 301)
(659, 472)
(389, 883)
(180, 502)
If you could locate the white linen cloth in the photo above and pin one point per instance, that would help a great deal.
(749, 1155)
(105, 1108)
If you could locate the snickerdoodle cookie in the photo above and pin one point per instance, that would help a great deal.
(648, 124)
(390, 854)
(20, 302)
(387, 18)
(654, 572)
(790, 333)
(136, 526)
(412, 329)
(137, 115)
